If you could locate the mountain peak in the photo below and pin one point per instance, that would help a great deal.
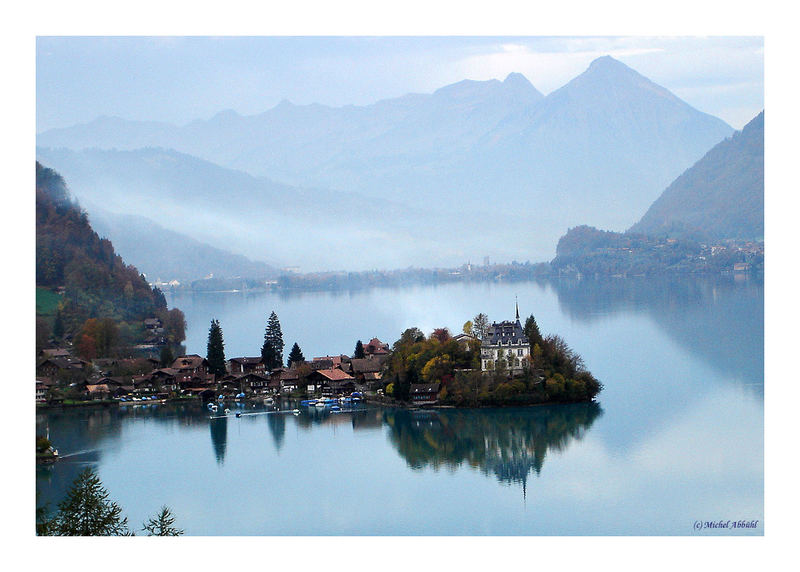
(606, 65)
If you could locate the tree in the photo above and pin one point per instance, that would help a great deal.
(166, 357)
(87, 511)
(174, 325)
(215, 353)
(441, 334)
(162, 524)
(359, 353)
(531, 331)
(268, 355)
(480, 325)
(467, 327)
(295, 356)
(274, 336)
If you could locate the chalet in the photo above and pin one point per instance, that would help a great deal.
(424, 393)
(367, 371)
(247, 383)
(505, 340)
(464, 340)
(192, 370)
(52, 366)
(332, 381)
(241, 365)
(375, 346)
(331, 361)
(289, 379)
(54, 352)
(43, 385)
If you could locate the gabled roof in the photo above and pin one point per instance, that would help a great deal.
(335, 374)
(246, 360)
(190, 361)
(365, 365)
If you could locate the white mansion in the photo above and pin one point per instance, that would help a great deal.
(507, 340)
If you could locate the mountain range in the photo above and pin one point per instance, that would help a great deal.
(477, 168)
(719, 197)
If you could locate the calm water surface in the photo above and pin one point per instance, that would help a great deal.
(676, 437)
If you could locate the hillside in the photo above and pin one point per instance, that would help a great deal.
(511, 162)
(719, 197)
(104, 300)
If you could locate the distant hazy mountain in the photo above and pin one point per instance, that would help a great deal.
(246, 215)
(721, 196)
(494, 166)
(164, 254)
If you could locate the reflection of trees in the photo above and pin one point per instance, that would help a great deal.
(509, 443)
(277, 426)
(219, 436)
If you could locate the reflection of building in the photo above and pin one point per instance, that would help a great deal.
(507, 341)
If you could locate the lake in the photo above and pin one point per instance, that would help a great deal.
(676, 438)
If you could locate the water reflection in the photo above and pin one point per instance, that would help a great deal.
(219, 436)
(718, 319)
(507, 443)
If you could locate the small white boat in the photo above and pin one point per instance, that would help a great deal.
(227, 411)
(320, 403)
(295, 412)
(268, 401)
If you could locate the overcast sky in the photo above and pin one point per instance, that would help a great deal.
(178, 79)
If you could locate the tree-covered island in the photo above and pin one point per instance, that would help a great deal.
(502, 363)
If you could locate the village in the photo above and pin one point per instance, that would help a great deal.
(64, 379)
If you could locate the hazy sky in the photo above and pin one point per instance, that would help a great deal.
(178, 79)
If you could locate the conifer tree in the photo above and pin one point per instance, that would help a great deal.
(162, 524)
(87, 510)
(215, 352)
(532, 332)
(272, 350)
(295, 356)
(359, 352)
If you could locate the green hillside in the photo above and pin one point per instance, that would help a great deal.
(104, 301)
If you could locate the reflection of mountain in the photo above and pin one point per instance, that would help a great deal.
(508, 443)
(219, 436)
(719, 319)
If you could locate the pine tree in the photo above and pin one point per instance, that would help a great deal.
(359, 353)
(162, 524)
(274, 337)
(87, 510)
(268, 357)
(532, 332)
(295, 356)
(215, 353)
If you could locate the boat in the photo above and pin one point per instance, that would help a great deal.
(227, 411)
(268, 401)
(336, 409)
(295, 412)
(308, 402)
(238, 414)
(213, 408)
(320, 403)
